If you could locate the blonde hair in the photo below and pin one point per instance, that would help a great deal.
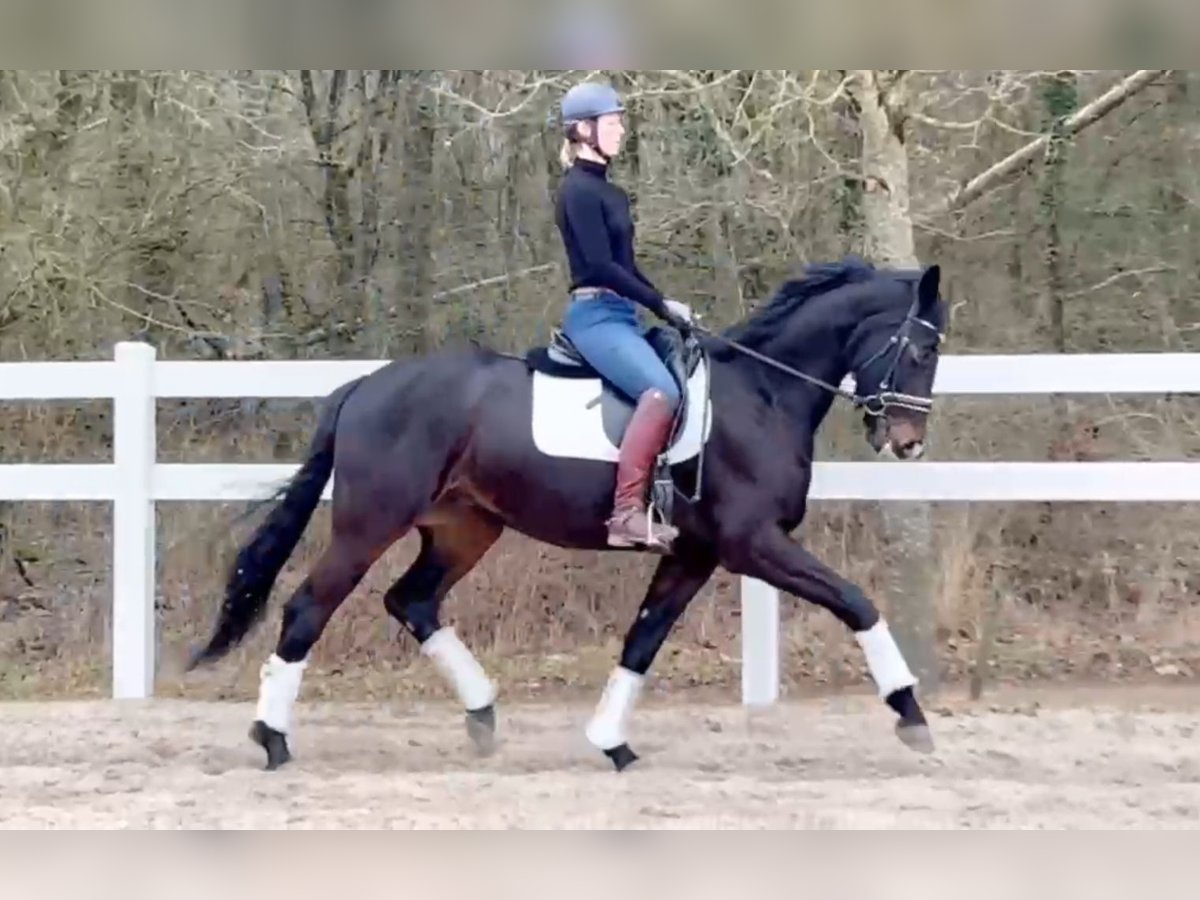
(566, 156)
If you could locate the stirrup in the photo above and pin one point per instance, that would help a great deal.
(647, 540)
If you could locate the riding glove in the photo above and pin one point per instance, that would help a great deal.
(679, 315)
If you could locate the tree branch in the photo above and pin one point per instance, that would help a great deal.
(1113, 279)
(496, 279)
(1087, 115)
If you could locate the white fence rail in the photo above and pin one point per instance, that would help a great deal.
(134, 481)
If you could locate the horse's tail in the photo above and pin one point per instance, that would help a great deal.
(258, 563)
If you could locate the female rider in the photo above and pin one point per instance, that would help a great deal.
(606, 289)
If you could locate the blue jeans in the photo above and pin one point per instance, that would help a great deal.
(606, 332)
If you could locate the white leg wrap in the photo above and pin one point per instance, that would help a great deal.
(460, 667)
(279, 686)
(888, 668)
(606, 731)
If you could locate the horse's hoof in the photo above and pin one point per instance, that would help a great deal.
(622, 757)
(915, 737)
(481, 729)
(274, 742)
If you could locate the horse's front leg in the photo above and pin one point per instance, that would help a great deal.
(769, 554)
(676, 581)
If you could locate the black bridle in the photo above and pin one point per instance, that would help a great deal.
(873, 404)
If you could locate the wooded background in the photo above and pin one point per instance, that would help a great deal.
(265, 214)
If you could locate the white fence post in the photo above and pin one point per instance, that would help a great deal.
(760, 643)
(134, 455)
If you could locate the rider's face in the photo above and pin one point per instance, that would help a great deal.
(610, 131)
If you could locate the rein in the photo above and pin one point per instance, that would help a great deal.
(874, 404)
(774, 363)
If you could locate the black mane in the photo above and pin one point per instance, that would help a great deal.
(818, 279)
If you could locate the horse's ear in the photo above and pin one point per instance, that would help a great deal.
(927, 290)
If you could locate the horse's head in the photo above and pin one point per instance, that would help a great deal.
(883, 326)
(893, 355)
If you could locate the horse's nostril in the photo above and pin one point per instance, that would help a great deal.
(912, 449)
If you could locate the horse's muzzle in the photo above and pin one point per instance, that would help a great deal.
(906, 438)
(897, 439)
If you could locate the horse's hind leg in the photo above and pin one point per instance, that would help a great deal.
(305, 615)
(453, 540)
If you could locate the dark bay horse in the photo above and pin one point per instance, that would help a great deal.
(463, 443)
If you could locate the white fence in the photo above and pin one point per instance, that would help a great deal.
(134, 481)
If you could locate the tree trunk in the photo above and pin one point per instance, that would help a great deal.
(1061, 98)
(887, 220)
(1177, 215)
(911, 606)
(419, 216)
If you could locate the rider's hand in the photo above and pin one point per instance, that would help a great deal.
(679, 310)
(679, 315)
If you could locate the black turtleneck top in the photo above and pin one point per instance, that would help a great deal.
(597, 228)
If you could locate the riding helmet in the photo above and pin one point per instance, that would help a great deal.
(589, 100)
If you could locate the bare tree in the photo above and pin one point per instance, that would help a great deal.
(885, 104)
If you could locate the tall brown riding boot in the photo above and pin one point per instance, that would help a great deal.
(647, 433)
